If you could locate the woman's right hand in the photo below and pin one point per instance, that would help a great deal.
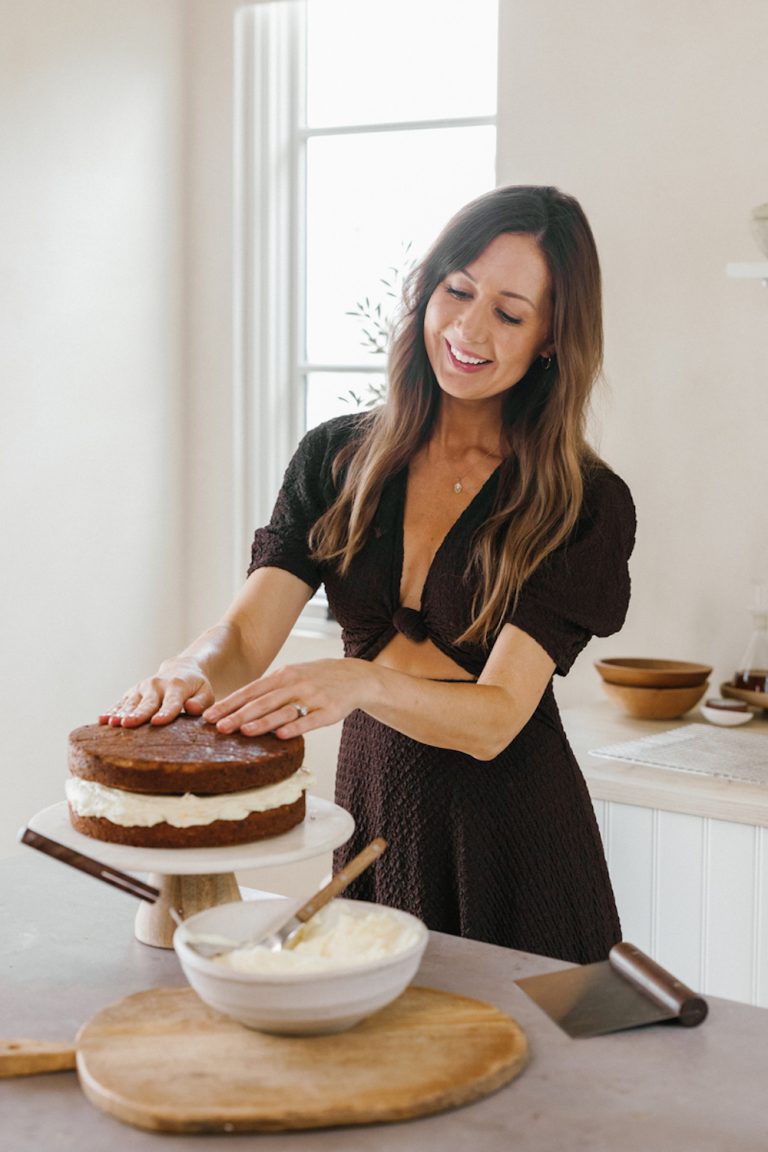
(178, 685)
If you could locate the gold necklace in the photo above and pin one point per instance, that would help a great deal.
(458, 484)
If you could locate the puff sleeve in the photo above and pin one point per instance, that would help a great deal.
(306, 492)
(582, 589)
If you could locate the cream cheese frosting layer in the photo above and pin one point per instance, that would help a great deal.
(138, 810)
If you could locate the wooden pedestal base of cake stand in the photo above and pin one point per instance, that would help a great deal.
(186, 895)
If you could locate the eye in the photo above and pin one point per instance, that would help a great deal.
(506, 318)
(457, 293)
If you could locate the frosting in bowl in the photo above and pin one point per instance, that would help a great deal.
(334, 938)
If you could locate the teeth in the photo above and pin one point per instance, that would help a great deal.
(465, 359)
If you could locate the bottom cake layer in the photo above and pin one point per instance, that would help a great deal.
(217, 834)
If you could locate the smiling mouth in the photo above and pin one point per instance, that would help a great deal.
(463, 360)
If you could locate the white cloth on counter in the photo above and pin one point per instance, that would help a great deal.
(709, 751)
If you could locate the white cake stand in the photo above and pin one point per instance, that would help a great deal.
(191, 879)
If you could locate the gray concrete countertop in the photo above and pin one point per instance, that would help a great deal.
(67, 949)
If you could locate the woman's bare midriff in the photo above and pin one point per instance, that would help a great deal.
(422, 659)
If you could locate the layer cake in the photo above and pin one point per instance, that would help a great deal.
(183, 785)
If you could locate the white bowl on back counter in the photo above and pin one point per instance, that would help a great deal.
(726, 713)
(352, 959)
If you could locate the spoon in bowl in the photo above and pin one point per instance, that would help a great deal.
(286, 935)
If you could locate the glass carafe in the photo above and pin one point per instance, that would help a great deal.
(752, 670)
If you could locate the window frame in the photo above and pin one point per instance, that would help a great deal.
(270, 165)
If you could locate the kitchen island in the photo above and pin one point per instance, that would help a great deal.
(68, 949)
(687, 851)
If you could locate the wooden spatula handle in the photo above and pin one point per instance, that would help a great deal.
(27, 1057)
(340, 881)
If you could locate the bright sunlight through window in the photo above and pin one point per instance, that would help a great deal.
(399, 132)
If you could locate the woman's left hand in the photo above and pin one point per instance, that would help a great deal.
(295, 699)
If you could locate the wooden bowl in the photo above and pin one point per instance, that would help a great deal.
(655, 703)
(756, 699)
(647, 673)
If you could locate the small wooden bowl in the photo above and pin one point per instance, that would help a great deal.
(755, 699)
(648, 673)
(655, 703)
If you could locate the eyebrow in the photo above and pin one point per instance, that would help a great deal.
(512, 295)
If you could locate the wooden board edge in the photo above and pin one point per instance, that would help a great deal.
(168, 1120)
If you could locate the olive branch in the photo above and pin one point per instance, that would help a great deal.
(377, 320)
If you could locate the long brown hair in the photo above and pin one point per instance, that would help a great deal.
(541, 481)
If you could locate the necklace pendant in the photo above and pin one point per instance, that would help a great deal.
(458, 488)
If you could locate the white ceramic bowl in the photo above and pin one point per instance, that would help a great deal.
(724, 718)
(293, 1002)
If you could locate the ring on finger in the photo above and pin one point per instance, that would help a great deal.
(300, 708)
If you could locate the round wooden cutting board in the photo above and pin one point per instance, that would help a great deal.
(163, 1060)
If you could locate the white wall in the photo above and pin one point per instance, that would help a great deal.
(116, 352)
(210, 577)
(653, 115)
(91, 215)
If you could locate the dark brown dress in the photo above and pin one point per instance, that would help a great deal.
(506, 851)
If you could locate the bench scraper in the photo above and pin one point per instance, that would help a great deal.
(627, 990)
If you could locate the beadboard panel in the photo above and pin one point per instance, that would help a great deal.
(761, 919)
(730, 910)
(679, 895)
(630, 850)
(693, 893)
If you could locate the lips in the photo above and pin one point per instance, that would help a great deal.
(462, 360)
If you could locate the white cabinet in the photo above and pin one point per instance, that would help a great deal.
(693, 893)
(688, 856)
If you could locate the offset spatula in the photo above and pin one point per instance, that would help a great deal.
(287, 933)
(22, 1057)
(122, 880)
(627, 990)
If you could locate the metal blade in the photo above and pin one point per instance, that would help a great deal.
(592, 1000)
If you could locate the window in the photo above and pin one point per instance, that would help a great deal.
(362, 127)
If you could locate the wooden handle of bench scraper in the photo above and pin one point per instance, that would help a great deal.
(657, 984)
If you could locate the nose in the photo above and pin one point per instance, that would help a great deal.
(472, 322)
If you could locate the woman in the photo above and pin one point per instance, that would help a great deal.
(470, 543)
